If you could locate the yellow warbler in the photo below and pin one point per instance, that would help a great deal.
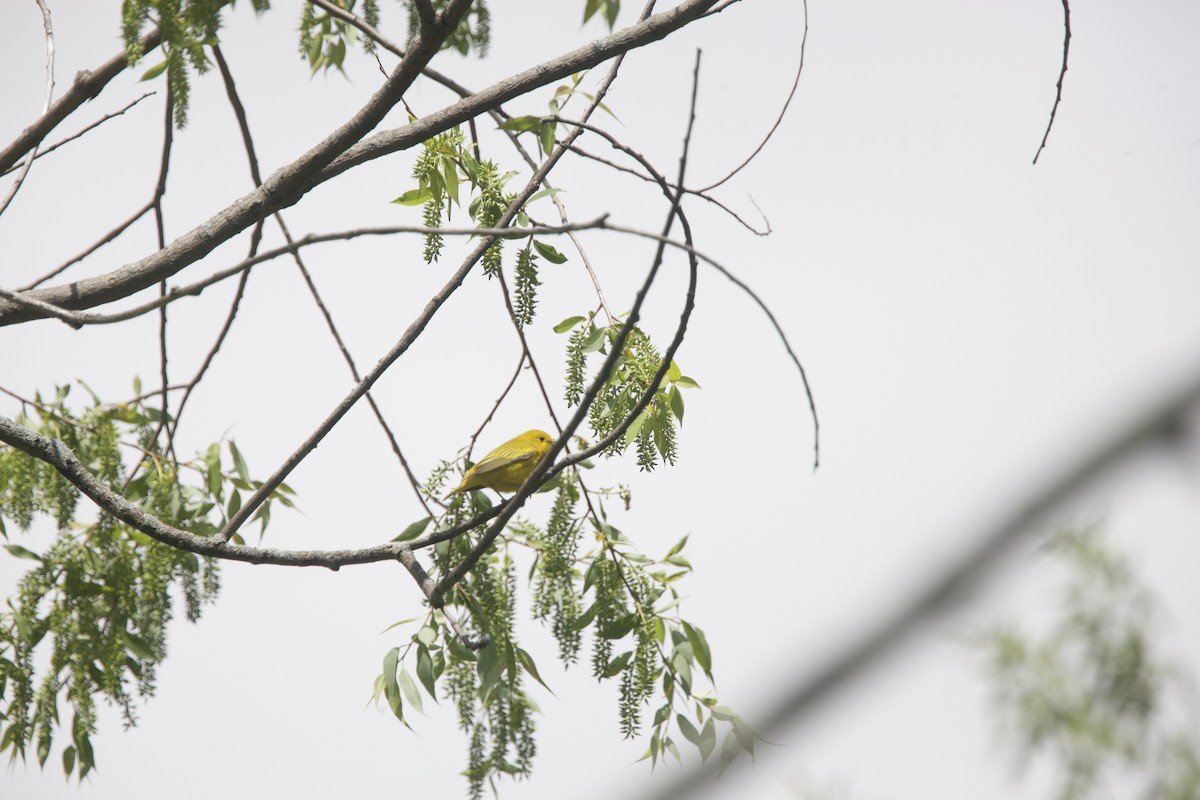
(506, 468)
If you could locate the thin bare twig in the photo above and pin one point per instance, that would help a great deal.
(86, 86)
(1062, 74)
(48, 28)
(496, 405)
(782, 112)
(80, 132)
(255, 241)
(812, 405)
(707, 198)
(108, 237)
(160, 191)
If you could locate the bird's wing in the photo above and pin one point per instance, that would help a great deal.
(499, 459)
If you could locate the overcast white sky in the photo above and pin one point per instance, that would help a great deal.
(970, 323)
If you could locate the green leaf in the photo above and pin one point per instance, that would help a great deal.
(490, 669)
(541, 194)
(398, 623)
(87, 759)
(391, 689)
(678, 545)
(425, 671)
(682, 665)
(527, 662)
(567, 324)
(585, 618)
(151, 74)
(235, 503)
(138, 646)
(546, 136)
(239, 463)
(414, 530)
(213, 469)
(708, 740)
(686, 382)
(676, 398)
(450, 176)
(618, 628)
(723, 713)
(688, 729)
(594, 341)
(43, 750)
(661, 715)
(745, 735)
(22, 552)
(729, 749)
(526, 123)
(68, 759)
(549, 253)
(610, 12)
(635, 427)
(617, 664)
(410, 691)
(427, 635)
(413, 197)
(700, 648)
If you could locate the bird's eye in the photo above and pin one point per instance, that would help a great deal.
(541, 438)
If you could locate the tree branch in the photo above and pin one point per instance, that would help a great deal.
(48, 27)
(87, 85)
(280, 190)
(1062, 74)
(77, 319)
(85, 129)
(782, 112)
(336, 155)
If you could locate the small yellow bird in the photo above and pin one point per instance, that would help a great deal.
(506, 468)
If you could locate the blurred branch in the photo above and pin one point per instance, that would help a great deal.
(947, 592)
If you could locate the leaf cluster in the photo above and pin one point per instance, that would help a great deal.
(445, 163)
(1091, 691)
(89, 620)
(187, 27)
(324, 38)
(654, 430)
(625, 601)
(473, 34)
